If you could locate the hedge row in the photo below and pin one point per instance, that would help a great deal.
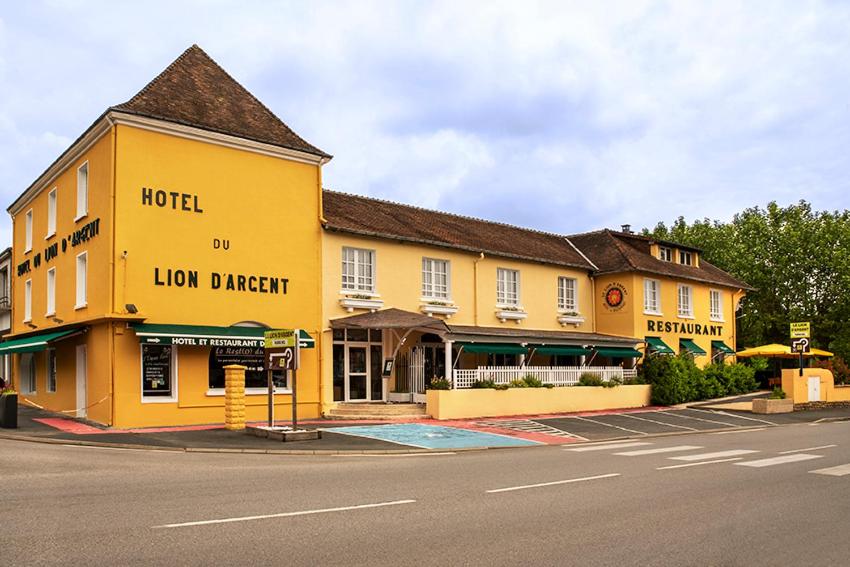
(677, 380)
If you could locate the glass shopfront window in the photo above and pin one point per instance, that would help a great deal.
(253, 358)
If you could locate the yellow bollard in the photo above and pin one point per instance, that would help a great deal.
(234, 397)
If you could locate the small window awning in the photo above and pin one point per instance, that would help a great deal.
(618, 352)
(198, 335)
(494, 348)
(721, 346)
(659, 346)
(561, 350)
(691, 347)
(35, 343)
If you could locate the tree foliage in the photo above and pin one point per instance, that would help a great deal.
(797, 259)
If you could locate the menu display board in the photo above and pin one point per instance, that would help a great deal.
(156, 370)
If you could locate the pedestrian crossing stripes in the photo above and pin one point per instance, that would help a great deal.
(609, 446)
(641, 452)
(714, 455)
(840, 470)
(779, 460)
(527, 425)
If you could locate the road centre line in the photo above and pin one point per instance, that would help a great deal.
(840, 470)
(608, 425)
(286, 514)
(780, 460)
(683, 416)
(659, 422)
(554, 483)
(739, 431)
(807, 449)
(715, 454)
(641, 452)
(698, 464)
(621, 445)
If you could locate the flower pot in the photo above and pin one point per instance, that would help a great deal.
(766, 405)
(9, 411)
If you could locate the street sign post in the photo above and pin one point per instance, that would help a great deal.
(800, 340)
(282, 353)
(801, 330)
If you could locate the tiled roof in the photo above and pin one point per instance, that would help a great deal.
(194, 90)
(614, 252)
(374, 217)
(391, 318)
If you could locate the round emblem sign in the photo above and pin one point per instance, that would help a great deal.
(614, 297)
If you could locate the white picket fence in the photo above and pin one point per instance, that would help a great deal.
(555, 375)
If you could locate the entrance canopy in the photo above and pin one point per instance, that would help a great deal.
(35, 343)
(198, 335)
(391, 319)
(659, 346)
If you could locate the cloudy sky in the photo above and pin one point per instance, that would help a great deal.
(562, 116)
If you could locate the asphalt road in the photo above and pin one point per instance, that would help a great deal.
(666, 501)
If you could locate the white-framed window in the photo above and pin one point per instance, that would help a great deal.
(82, 277)
(686, 304)
(27, 301)
(715, 299)
(507, 287)
(28, 232)
(652, 296)
(51, 292)
(358, 270)
(685, 258)
(51, 370)
(51, 213)
(567, 294)
(435, 279)
(27, 372)
(665, 253)
(159, 373)
(82, 191)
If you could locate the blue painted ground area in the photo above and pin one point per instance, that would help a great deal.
(432, 436)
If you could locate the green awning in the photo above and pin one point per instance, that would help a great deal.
(691, 347)
(198, 335)
(34, 343)
(721, 346)
(659, 346)
(562, 350)
(494, 348)
(618, 352)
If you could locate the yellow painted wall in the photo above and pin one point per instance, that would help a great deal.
(796, 387)
(472, 403)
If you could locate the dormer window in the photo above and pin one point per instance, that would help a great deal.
(665, 254)
(686, 258)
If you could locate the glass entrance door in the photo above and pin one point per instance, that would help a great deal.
(358, 373)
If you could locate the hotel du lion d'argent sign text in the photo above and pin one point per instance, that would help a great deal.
(51, 251)
(179, 277)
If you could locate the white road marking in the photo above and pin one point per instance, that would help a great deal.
(683, 416)
(608, 425)
(640, 452)
(780, 460)
(568, 481)
(399, 455)
(840, 470)
(807, 449)
(715, 455)
(286, 514)
(621, 445)
(659, 422)
(698, 464)
(739, 431)
(745, 417)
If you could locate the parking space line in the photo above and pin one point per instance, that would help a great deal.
(683, 416)
(286, 514)
(659, 422)
(745, 417)
(739, 431)
(807, 449)
(780, 460)
(609, 425)
(840, 470)
(621, 445)
(568, 481)
(641, 452)
(698, 464)
(701, 456)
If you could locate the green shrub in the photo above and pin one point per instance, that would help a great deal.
(777, 394)
(532, 381)
(501, 387)
(589, 379)
(517, 383)
(439, 384)
(481, 384)
(674, 379)
(714, 384)
(741, 377)
(612, 382)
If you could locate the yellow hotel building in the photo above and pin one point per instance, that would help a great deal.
(188, 220)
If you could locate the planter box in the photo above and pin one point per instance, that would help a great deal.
(765, 405)
(447, 310)
(9, 411)
(510, 315)
(570, 320)
(474, 403)
(352, 303)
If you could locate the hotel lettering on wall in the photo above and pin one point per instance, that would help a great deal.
(73, 239)
(661, 326)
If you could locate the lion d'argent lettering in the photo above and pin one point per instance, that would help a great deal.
(169, 277)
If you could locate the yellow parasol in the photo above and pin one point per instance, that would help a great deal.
(779, 351)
